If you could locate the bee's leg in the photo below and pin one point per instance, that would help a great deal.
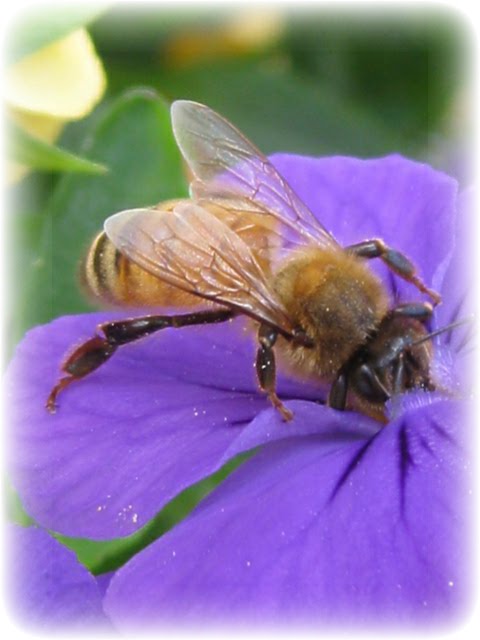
(94, 352)
(266, 370)
(86, 358)
(421, 311)
(399, 375)
(395, 260)
(337, 396)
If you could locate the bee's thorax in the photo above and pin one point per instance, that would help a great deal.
(336, 299)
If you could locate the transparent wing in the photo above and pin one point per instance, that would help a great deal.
(260, 232)
(228, 167)
(193, 250)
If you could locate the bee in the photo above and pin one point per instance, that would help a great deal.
(246, 244)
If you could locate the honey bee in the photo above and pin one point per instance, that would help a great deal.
(245, 243)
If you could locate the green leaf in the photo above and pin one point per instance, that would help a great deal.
(14, 508)
(41, 26)
(38, 154)
(134, 139)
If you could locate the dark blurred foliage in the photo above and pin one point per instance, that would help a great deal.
(353, 81)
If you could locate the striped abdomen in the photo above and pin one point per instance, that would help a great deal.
(111, 279)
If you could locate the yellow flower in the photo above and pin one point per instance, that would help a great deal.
(58, 83)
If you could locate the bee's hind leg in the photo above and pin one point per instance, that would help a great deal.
(94, 352)
(266, 369)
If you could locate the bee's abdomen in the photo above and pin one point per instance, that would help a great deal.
(100, 269)
(111, 279)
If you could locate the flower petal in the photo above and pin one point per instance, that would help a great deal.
(407, 204)
(64, 79)
(364, 532)
(159, 416)
(310, 418)
(165, 412)
(459, 283)
(49, 589)
(454, 364)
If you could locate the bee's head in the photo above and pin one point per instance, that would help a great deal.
(396, 359)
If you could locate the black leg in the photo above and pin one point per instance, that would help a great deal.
(395, 260)
(421, 311)
(337, 397)
(399, 375)
(266, 370)
(94, 352)
(368, 384)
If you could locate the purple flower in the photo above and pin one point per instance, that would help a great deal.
(335, 519)
(48, 588)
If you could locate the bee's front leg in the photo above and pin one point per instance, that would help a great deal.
(266, 369)
(337, 397)
(395, 260)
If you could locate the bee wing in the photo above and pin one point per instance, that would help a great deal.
(226, 165)
(193, 250)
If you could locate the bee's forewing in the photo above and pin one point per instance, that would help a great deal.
(226, 165)
(193, 250)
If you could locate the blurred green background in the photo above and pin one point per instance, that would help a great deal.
(361, 81)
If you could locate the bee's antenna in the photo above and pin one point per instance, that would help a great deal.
(447, 327)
